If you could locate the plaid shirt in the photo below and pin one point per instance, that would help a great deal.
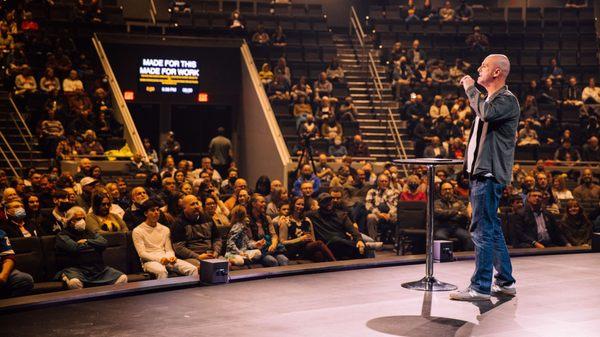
(375, 198)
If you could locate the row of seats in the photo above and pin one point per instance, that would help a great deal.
(295, 54)
(504, 14)
(258, 7)
(37, 257)
(219, 21)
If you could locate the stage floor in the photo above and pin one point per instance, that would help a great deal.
(558, 295)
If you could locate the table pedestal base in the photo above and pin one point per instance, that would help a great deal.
(429, 284)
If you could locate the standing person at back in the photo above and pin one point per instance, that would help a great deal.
(489, 162)
(221, 151)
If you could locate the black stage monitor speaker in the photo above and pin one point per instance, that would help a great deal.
(214, 271)
(596, 242)
(442, 251)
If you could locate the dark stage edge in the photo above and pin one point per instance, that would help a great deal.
(557, 296)
(142, 287)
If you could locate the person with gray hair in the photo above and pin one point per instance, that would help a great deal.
(85, 265)
(489, 161)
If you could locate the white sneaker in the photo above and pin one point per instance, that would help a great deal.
(468, 295)
(510, 290)
(377, 245)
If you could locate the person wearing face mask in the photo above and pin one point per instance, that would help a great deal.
(195, 236)
(411, 191)
(16, 224)
(451, 218)
(87, 186)
(227, 186)
(101, 219)
(84, 265)
(55, 220)
(587, 190)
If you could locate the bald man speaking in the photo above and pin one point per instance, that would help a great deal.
(489, 160)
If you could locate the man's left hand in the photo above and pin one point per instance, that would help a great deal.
(467, 82)
(361, 247)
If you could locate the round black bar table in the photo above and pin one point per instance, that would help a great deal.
(429, 283)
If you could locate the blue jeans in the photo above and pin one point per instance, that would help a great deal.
(486, 232)
(18, 284)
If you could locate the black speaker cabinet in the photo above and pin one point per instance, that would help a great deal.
(442, 251)
(596, 242)
(214, 271)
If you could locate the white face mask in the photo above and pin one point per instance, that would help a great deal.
(80, 225)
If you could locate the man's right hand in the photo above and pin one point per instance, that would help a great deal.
(164, 261)
(538, 245)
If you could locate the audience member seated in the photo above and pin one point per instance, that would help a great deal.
(447, 12)
(477, 41)
(381, 203)
(261, 226)
(261, 37)
(402, 77)
(334, 71)
(265, 74)
(297, 234)
(566, 154)
(302, 88)
(591, 93)
(16, 225)
(336, 229)
(438, 109)
(323, 87)
(25, 83)
(552, 71)
(337, 149)
(575, 226)
(282, 69)
(101, 219)
(452, 219)
(591, 150)
(236, 24)
(306, 175)
(196, 236)
(153, 244)
(278, 38)
(241, 249)
(464, 12)
(411, 192)
(12, 282)
(170, 147)
(587, 189)
(357, 147)
(278, 198)
(536, 227)
(559, 188)
(435, 149)
(85, 266)
(278, 90)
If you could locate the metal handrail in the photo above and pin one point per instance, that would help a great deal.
(12, 116)
(16, 109)
(130, 130)
(13, 154)
(152, 10)
(378, 85)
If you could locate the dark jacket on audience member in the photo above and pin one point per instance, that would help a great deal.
(336, 226)
(194, 237)
(526, 231)
(13, 231)
(446, 214)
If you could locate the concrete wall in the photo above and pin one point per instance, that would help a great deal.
(262, 149)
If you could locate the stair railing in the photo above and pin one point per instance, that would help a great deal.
(21, 126)
(356, 27)
(14, 155)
